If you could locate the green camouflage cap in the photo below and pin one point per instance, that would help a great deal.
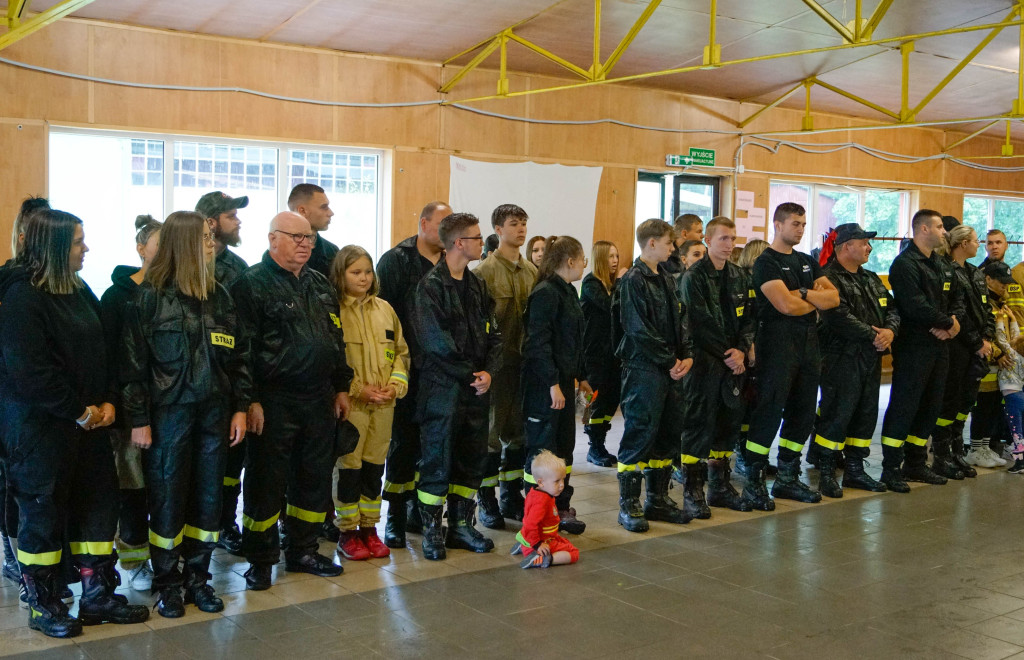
(212, 204)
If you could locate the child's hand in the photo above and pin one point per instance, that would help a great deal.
(543, 549)
(557, 398)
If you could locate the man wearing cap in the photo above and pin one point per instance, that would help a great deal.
(854, 337)
(929, 301)
(221, 212)
(310, 201)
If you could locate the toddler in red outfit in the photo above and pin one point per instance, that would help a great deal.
(539, 539)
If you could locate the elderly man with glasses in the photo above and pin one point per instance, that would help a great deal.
(290, 314)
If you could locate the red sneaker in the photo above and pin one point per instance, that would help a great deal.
(373, 544)
(351, 547)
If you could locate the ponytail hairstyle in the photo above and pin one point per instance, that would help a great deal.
(599, 264)
(28, 207)
(45, 252)
(145, 226)
(957, 236)
(180, 261)
(558, 250)
(347, 256)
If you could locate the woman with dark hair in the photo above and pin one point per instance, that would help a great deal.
(186, 386)
(133, 522)
(535, 249)
(56, 394)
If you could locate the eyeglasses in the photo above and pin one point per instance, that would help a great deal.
(470, 238)
(298, 238)
(207, 238)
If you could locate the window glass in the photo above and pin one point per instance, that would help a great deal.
(1008, 215)
(976, 215)
(648, 200)
(882, 212)
(797, 194)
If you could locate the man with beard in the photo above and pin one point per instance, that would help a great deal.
(221, 212)
(310, 201)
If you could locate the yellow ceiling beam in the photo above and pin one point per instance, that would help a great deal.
(39, 21)
(15, 8)
(616, 55)
(543, 52)
(855, 98)
(748, 120)
(876, 17)
(474, 63)
(832, 21)
(968, 138)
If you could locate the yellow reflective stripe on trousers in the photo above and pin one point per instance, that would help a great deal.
(201, 534)
(658, 463)
(430, 500)
(631, 467)
(858, 442)
(304, 514)
(686, 459)
(260, 525)
(528, 478)
(39, 558)
(892, 442)
(718, 455)
(96, 548)
(790, 445)
(943, 422)
(231, 481)
(366, 504)
(348, 510)
(461, 491)
(757, 449)
(568, 469)
(914, 440)
(960, 417)
(165, 542)
(828, 444)
(511, 475)
(489, 482)
(399, 488)
(140, 554)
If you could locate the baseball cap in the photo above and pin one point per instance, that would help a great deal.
(999, 271)
(212, 204)
(851, 231)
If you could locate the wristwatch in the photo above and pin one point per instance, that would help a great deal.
(803, 292)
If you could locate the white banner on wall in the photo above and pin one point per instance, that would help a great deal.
(559, 199)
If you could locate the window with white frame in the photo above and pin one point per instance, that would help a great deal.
(886, 212)
(108, 178)
(1007, 215)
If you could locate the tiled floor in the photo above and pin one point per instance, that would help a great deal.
(933, 574)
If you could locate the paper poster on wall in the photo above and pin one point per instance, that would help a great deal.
(559, 199)
(744, 200)
(752, 226)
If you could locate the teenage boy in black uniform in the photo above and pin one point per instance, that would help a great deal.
(655, 355)
(459, 348)
(289, 314)
(929, 302)
(854, 337)
(399, 270)
(310, 201)
(790, 288)
(720, 316)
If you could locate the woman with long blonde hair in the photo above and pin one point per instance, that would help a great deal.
(186, 388)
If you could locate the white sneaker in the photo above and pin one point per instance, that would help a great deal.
(1000, 462)
(141, 578)
(980, 458)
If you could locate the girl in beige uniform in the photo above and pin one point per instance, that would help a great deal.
(376, 351)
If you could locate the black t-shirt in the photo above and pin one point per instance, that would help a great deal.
(796, 270)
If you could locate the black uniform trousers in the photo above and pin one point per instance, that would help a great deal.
(987, 418)
(232, 483)
(961, 389)
(292, 459)
(652, 406)
(184, 471)
(453, 439)
(714, 410)
(400, 473)
(915, 399)
(608, 386)
(554, 430)
(850, 380)
(8, 505)
(788, 371)
(64, 482)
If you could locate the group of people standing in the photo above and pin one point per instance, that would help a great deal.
(331, 385)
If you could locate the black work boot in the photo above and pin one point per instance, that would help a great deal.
(659, 506)
(198, 591)
(721, 492)
(694, 503)
(958, 449)
(567, 520)
(46, 612)
(755, 491)
(231, 539)
(461, 532)
(943, 463)
(511, 502)
(99, 604)
(258, 577)
(915, 467)
(11, 569)
(413, 515)
(631, 515)
(490, 512)
(598, 454)
(394, 527)
(892, 469)
(433, 535)
(854, 476)
(788, 485)
(827, 484)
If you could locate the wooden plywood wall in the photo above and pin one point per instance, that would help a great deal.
(421, 139)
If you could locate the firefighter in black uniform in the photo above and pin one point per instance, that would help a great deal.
(186, 388)
(647, 320)
(459, 348)
(854, 337)
(790, 288)
(968, 356)
(290, 315)
(310, 201)
(929, 301)
(221, 211)
(719, 311)
(55, 390)
(399, 270)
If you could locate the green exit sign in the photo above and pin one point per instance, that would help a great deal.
(704, 157)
